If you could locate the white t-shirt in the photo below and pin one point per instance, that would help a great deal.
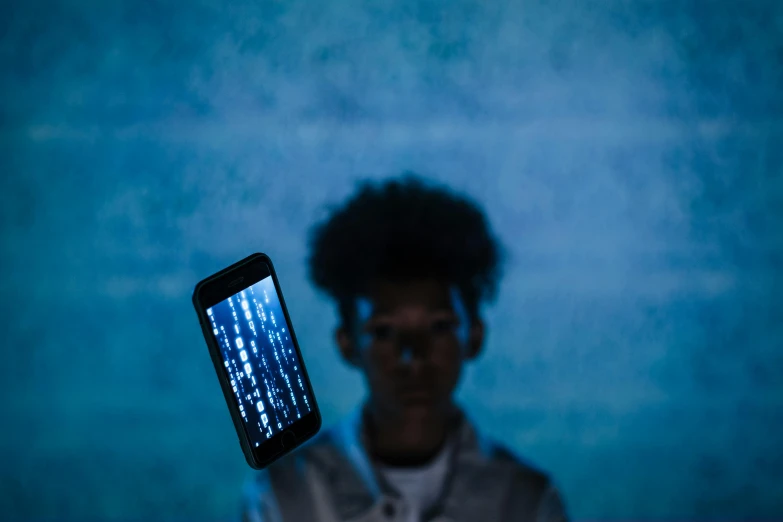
(420, 487)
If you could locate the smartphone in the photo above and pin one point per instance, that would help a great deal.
(259, 365)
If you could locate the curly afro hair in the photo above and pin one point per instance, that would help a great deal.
(400, 230)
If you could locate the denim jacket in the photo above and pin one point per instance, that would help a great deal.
(331, 479)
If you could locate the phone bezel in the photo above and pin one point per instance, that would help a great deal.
(213, 290)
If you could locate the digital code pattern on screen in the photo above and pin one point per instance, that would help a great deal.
(261, 361)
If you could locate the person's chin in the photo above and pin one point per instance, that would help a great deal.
(418, 406)
(421, 419)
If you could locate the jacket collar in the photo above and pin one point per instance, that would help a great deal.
(357, 488)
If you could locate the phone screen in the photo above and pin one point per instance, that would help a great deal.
(262, 364)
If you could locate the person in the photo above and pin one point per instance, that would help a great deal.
(408, 264)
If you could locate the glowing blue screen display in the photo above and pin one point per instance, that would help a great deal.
(259, 356)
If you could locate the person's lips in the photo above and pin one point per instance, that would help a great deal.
(415, 395)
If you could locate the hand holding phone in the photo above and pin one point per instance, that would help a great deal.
(257, 358)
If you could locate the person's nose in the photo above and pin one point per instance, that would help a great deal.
(414, 346)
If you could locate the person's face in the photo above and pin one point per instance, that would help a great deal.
(410, 340)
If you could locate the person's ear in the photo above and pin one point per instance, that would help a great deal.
(347, 345)
(475, 338)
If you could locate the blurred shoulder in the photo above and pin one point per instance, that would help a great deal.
(500, 454)
(269, 494)
(533, 492)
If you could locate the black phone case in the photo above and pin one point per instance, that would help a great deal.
(214, 352)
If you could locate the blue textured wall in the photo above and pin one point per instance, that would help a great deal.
(628, 152)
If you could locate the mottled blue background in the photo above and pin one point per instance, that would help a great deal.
(628, 152)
